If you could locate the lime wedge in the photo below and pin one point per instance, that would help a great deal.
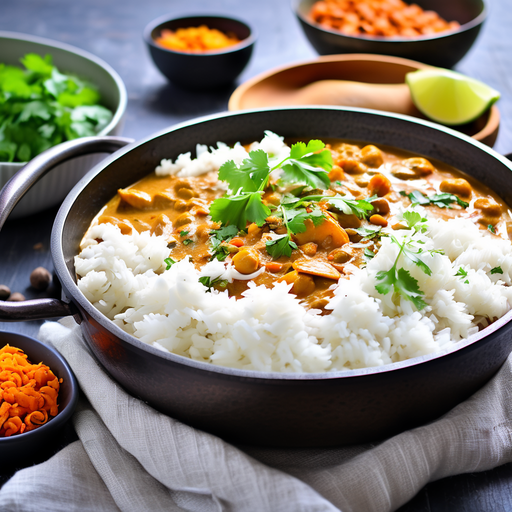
(448, 97)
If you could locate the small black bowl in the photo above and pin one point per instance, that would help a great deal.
(207, 70)
(27, 446)
(444, 49)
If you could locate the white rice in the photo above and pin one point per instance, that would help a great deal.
(124, 277)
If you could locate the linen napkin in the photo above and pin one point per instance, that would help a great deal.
(130, 457)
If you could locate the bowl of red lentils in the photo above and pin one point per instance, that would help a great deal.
(435, 32)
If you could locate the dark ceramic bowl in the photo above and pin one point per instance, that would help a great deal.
(207, 70)
(250, 407)
(444, 49)
(26, 446)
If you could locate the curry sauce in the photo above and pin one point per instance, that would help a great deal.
(378, 180)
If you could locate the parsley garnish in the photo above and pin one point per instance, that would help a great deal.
(210, 283)
(496, 270)
(169, 262)
(462, 274)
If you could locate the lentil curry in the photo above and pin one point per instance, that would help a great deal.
(304, 230)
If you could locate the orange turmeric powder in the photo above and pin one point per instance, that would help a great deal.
(195, 39)
(381, 18)
(28, 392)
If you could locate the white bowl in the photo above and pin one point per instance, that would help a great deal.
(53, 188)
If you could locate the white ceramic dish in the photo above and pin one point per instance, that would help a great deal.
(54, 187)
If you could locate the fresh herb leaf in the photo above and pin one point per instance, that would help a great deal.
(188, 241)
(296, 219)
(368, 232)
(240, 209)
(443, 200)
(251, 176)
(169, 262)
(184, 233)
(210, 283)
(359, 207)
(415, 221)
(41, 107)
(401, 282)
(280, 246)
(462, 274)
(217, 236)
(496, 270)
(491, 228)
(368, 253)
(307, 164)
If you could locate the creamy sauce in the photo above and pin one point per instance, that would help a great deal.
(178, 208)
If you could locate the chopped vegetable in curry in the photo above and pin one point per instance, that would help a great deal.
(308, 218)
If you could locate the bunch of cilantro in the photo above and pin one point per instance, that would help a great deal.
(41, 107)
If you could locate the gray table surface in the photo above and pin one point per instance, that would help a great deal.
(112, 30)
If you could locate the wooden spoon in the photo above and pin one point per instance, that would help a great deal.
(387, 97)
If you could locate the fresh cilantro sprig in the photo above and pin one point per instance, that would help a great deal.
(496, 270)
(398, 279)
(41, 107)
(368, 232)
(308, 164)
(443, 200)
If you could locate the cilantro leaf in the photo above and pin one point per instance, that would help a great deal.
(169, 262)
(240, 209)
(491, 228)
(251, 176)
(299, 217)
(307, 164)
(462, 274)
(280, 246)
(41, 107)
(496, 270)
(358, 207)
(210, 283)
(368, 232)
(400, 282)
(442, 200)
(368, 253)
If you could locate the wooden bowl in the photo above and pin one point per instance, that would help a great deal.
(267, 89)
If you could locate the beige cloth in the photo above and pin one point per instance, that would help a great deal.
(132, 458)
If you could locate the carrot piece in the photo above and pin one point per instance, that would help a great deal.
(28, 393)
(237, 242)
(273, 266)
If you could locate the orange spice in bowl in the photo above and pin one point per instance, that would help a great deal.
(379, 18)
(28, 392)
(195, 39)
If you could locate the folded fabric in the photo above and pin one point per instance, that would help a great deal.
(130, 457)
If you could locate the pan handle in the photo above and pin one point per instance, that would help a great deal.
(18, 186)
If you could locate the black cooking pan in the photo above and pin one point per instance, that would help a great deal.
(270, 409)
